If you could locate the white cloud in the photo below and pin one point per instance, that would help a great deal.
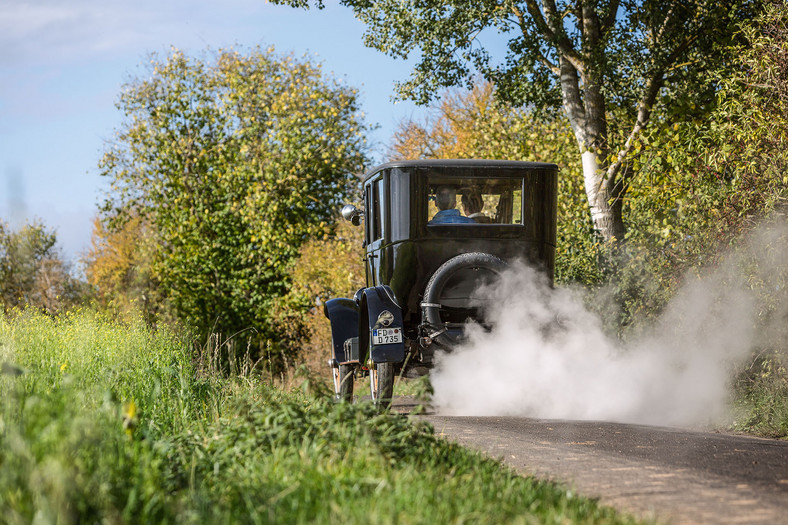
(51, 31)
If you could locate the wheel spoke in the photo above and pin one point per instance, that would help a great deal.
(381, 383)
(335, 375)
(373, 382)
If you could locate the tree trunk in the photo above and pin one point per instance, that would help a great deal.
(603, 199)
(587, 118)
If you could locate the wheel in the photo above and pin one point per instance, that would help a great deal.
(381, 383)
(343, 382)
(451, 293)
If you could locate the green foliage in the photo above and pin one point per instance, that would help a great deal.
(32, 271)
(233, 162)
(746, 142)
(635, 40)
(763, 396)
(707, 175)
(104, 423)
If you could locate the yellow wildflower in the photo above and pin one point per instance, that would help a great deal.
(129, 417)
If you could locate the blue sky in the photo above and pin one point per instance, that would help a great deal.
(62, 65)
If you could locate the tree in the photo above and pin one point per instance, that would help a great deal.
(605, 63)
(708, 174)
(233, 162)
(118, 266)
(718, 171)
(32, 271)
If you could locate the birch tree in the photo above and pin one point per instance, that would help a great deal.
(605, 63)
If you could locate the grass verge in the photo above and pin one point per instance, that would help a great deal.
(107, 423)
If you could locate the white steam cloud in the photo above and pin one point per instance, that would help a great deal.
(548, 356)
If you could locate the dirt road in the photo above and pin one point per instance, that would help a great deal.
(673, 475)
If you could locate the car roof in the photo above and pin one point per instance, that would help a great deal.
(461, 163)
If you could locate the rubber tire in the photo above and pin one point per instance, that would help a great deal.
(346, 378)
(383, 392)
(435, 285)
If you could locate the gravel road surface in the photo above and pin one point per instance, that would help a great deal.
(668, 474)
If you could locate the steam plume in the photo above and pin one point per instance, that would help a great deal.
(548, 356)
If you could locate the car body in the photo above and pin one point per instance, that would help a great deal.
(435, 230)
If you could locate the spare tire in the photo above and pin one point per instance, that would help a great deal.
(450, 293)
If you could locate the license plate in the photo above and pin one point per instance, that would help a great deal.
(386, 336)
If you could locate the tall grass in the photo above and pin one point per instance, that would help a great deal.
(107, 423)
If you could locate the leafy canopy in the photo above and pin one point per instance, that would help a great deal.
(519, 45)
(233, 161)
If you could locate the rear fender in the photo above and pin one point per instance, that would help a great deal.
(379, 309)
(343, 315)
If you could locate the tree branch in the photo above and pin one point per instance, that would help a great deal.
(591, 31)
(555, 34)
(661, 31)
(524, 30)
(644, 113)
(609, 20)
(573, 101)
(647, 102)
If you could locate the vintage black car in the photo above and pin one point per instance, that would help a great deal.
(435, 231)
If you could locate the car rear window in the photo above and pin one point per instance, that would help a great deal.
(473, 200)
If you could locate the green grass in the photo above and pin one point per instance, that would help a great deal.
(107, 423)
